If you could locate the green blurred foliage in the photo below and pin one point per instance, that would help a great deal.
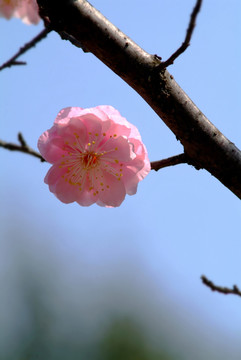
(125, 340)
(122, 340)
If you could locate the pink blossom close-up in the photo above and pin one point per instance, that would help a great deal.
(97, 156)
(26, 10)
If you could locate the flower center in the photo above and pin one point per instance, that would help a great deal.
(85, 166)
(90, 160)
(79, 164)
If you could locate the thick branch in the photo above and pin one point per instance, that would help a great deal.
(203, 143)
(221, 289)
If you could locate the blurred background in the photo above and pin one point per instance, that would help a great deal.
(121, 284)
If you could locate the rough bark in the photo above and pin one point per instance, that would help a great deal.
(204, 145)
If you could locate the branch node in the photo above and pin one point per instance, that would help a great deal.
(65, 36)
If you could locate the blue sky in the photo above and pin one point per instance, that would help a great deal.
(182, 223)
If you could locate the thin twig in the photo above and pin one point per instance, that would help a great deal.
(22, 140)
(23, 147)
(173, 160)
(25, 48)
(18, 63)
(186, 42)
(224, 290)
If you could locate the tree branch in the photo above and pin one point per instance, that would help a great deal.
(203, 143)
(224, 290)
(23, 147)
(174, 160)
(25, 48)
(186, 42)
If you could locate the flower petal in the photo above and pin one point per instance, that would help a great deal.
(141, 164)
(66, 192)
(130, 181)
(118, 149)
(86, 198)
(114, 191)
(51, 146)
(27, 10)
(67, 113)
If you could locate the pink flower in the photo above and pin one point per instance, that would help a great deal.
(97, 156)
(7, 8)
(27, 10)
